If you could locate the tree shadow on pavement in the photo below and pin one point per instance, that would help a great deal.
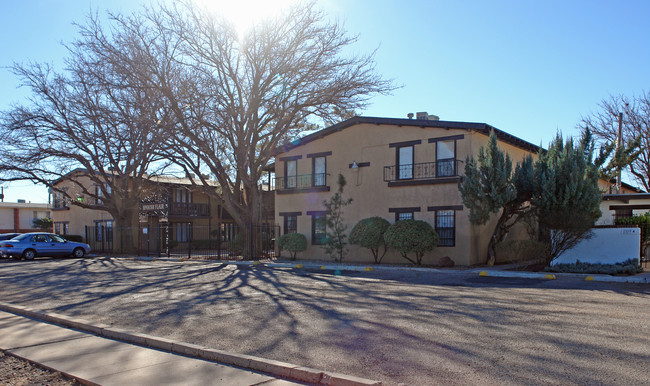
(412, 329)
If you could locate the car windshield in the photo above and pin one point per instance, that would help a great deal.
(21, 237)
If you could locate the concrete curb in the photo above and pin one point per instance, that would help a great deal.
(486, 272)
(276, 368)
(556, 275)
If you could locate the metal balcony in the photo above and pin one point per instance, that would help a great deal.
(188, 209)
(422, 171)
(317, 181)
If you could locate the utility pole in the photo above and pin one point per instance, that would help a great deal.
(2, 194)
(619, 146)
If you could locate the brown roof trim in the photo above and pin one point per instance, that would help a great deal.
(626, 197)
(479, 127)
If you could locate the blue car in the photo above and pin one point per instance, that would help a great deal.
(29, 245)
(8, 236)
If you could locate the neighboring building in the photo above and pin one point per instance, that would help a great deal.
(396, 169)
(19, 216)
(174, 202)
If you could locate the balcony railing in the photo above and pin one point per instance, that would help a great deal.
(304, 181)
(422, 171)
(189, 209)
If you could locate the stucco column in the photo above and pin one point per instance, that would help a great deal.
(16, 220)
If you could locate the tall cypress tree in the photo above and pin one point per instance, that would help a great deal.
(490, 186)
(567, 198)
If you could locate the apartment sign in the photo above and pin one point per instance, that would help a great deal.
(154, 207)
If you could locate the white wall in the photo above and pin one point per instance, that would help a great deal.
(606, 246)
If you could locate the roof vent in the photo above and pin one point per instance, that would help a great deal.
(424, 116)
(410, 115)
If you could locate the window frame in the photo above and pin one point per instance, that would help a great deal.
(436, 209)
(398, 160)
(287, 228)
(412, 210)
(316, 217)
(400, 214)
(287, 177)
(440, 229)
(318, 176)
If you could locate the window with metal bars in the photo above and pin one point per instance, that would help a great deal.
(446, 227)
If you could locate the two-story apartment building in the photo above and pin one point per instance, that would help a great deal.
(396, 169)
(183, 208)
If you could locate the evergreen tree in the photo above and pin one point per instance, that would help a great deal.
(489, 187)
(336, 240)
(567, 198)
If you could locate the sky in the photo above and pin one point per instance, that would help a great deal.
(530, 68)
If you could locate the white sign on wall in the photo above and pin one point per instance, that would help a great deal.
(606, 246)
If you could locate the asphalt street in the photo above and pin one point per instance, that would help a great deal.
(411, 327)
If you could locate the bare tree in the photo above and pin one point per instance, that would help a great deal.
(636, 132)
(236, 99)
(100, 120)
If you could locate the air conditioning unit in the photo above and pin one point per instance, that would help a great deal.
(423, 116)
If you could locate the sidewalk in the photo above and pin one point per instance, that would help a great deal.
(98, 360)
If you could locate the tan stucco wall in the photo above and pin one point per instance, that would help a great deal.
(373, 197)
(77, 217)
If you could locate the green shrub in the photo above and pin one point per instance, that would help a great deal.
(369, 233)
(292, 242)
(411, 236)
(43, 223)
(627, 267)
(75, 238)
(522, 250)
(236, 245)
(204, 244)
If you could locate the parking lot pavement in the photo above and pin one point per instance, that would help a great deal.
(411, 327)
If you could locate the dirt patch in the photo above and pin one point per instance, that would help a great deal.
(18, 372)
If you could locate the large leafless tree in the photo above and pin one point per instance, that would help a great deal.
(101, 118)
(176, 83)
(636, 132)
(237, 98)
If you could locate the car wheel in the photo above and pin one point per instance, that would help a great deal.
(78, 252)
(29, 254)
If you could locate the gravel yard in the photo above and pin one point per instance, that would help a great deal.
(18, 372)
(411, 327)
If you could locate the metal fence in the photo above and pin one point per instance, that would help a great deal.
(225, 241)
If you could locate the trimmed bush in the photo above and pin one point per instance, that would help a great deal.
(522, 250)
(75, 238)
(236, 245)
(292, 242)
(628, 267)
(369, 233)
(411, 236)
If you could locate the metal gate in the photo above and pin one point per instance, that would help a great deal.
(226, 241)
